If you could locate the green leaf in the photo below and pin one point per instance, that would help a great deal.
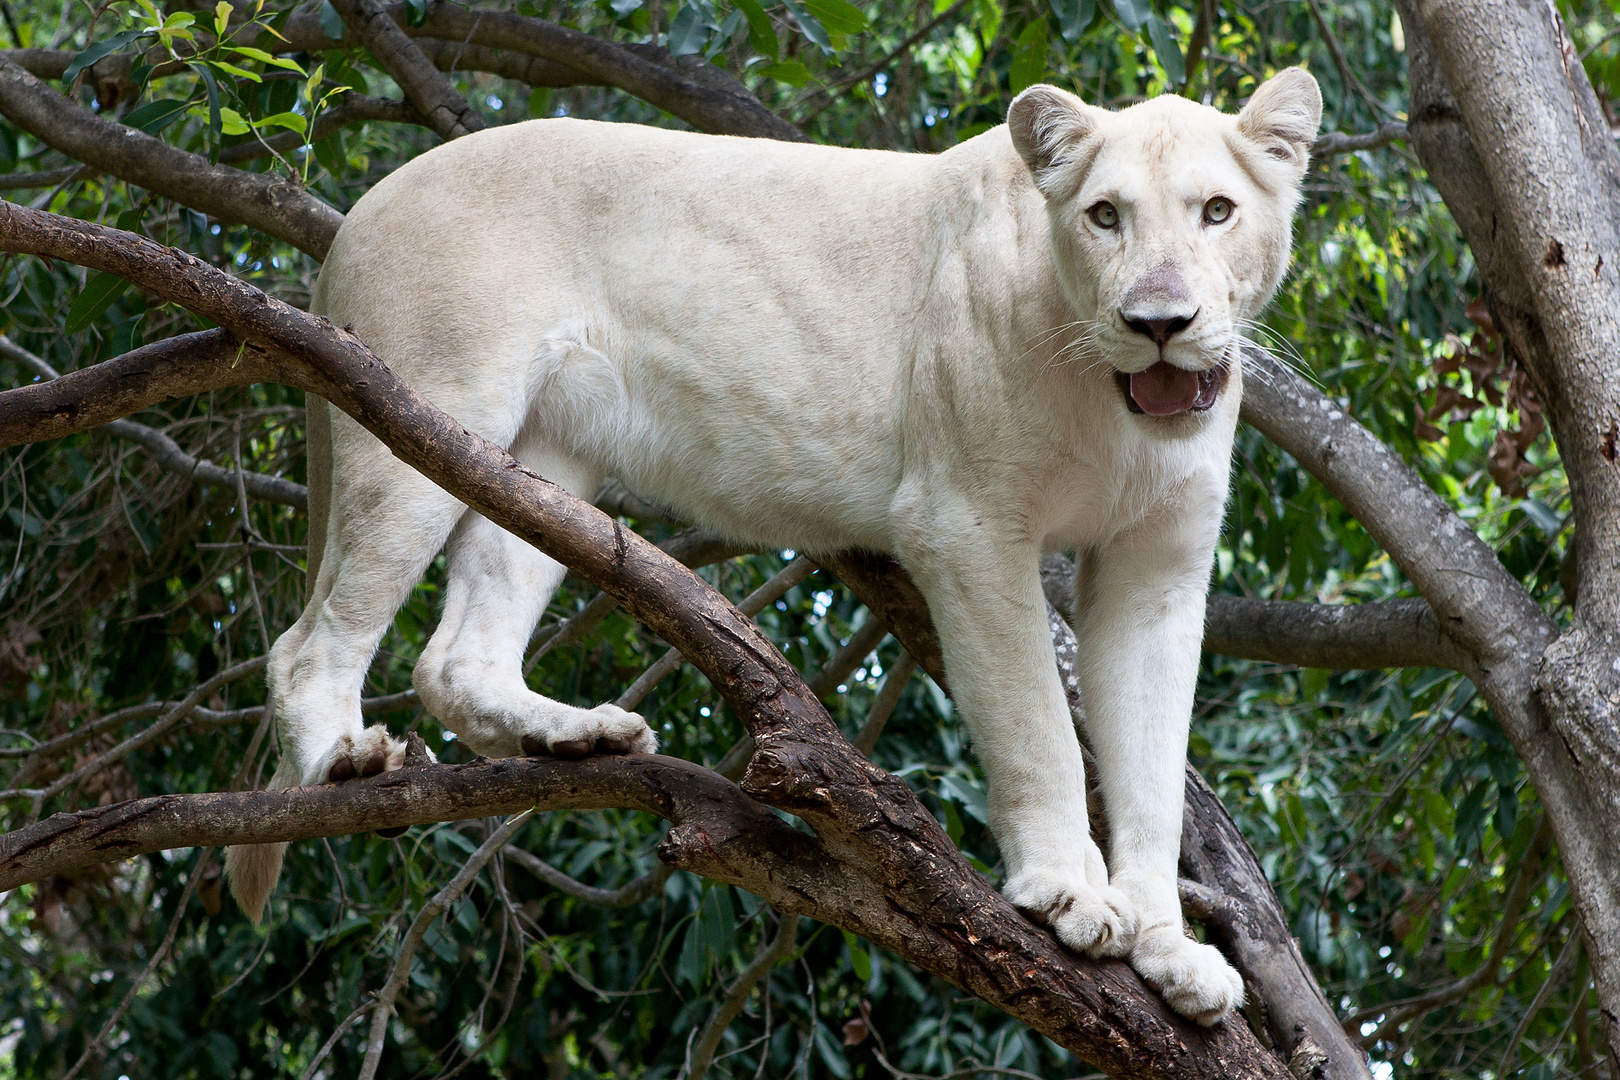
(99, 293)
(1073, 16)
(788, 71)
(1133, 13)
(973, 131)
(155, 116)
(687, 33)
(1029, 57)
(416, 12)
(266, 58)
(8, 148)
(239, 72)
(539, 102)
(832, 1052)
(214, 118)
(290, 120)
(858, 958)
(839, 16)
(329, 152)
(970, 795)
(100, 49)
(331, 22)
(231, 122)
(809, 25)
(623, 8)
(690, 966)
(761, 34)
(1167, 50)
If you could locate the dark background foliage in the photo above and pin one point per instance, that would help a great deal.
(1387, 807)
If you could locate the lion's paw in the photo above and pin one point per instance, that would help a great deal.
(373, 751)
(1097, 920)
(1195, 980)
(606, 729)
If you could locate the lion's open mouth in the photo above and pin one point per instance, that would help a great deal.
(1166, 390)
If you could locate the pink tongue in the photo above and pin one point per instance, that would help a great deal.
(1164, 389)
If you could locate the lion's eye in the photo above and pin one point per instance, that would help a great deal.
(1104, 215)
(1217, 210)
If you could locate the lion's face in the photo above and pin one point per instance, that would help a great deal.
(1170, 224)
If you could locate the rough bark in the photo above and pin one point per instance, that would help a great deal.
(687, 87)
(425, 87)
(899, 880)
(278, 207)
(1508, 126)
(1239, 906)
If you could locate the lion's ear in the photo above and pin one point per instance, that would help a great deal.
(1283, 116)
(1045, 123)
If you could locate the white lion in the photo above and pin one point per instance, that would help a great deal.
(1027, 343)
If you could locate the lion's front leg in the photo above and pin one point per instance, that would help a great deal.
(1140, 623)
(985, 596)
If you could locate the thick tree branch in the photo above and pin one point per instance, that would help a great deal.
(1338, 637)
(278, 207)
(1530, 173)
(1480, 605)
(162, 371)
(425, 87)
(167, 453)
(1253, 928)
(930, 907)
(1533, 117)
(695, 91)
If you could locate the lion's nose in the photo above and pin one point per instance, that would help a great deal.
(1160, 330)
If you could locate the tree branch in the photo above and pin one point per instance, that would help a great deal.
(1214, 853)
(697, 92)
(167, 453)
(1338, 637)
(278, 207)
(1482, 608)
(425, 87)
(1337, 142)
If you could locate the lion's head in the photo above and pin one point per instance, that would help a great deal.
(1170, 223)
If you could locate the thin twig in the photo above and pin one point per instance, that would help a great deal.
(337, 1033)
(768, 957)
(1397, 1013)
(1565, 955)
(888, 696)
(151, 966)
(441, 901)
(833, 89)
(176, 715)
(751, 605)
(627, 895)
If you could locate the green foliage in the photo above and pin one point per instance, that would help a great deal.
(1386, 806)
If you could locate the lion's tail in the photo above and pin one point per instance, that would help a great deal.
(253, 869)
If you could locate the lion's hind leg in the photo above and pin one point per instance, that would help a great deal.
(388, 522)
(470, 675)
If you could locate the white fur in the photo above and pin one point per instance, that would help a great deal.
(824, 348)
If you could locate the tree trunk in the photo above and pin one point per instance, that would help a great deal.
(1508, 126)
